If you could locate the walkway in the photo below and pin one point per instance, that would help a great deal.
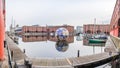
(17, 53)
(4, 64)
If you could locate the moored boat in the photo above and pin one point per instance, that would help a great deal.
(97, 41)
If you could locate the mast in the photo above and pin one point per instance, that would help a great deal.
(94, 26)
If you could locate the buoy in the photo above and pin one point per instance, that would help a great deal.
(2, 28)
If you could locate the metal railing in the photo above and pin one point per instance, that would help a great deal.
(9, 56)
(116, 41)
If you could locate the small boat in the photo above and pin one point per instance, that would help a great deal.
(97, 41)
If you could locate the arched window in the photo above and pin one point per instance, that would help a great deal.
(89, 31)
(119, 22)
(98, 31)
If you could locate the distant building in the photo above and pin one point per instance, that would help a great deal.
(47, 30)
(96, 29)
(33, 29)
(12, 30)
(16, 30)
(115, 20)
(52, 29)
(44, 33)
(79, 29)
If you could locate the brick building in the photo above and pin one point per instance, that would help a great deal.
(33, 29)
(52, 29)
(115, 20)
(96, 29)
(47, 30)
(43, 33)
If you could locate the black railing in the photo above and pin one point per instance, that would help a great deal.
(9, 56)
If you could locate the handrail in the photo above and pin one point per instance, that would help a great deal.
(116, 41)
(9, 56)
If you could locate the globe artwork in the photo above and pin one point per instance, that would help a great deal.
(62, 33)
(61, 45)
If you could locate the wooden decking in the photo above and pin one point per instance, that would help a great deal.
(17, 53)
(65, 62)
(68, 62)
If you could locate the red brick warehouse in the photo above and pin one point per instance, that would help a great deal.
(96, 29)
(46, 29)
(115, 20)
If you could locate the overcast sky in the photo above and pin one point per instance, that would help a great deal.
(58, 12)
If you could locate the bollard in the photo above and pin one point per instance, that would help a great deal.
(5, 43)
(15, 65)
(12, 54)
(78, 53)
(27, 63)
(24, 50)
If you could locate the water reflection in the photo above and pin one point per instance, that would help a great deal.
(34, 38)
(51, 46)
(62, 45)
(79, 38)
(93, 45)
(69, 39)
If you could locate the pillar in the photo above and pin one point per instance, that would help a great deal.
(1, 31)
(4, 16)
(78, 53)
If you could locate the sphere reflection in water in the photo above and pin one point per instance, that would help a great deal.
(61, 33)
(62, 45)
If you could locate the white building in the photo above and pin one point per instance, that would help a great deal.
(79, 29)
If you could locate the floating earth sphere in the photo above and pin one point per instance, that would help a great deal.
(62, 33)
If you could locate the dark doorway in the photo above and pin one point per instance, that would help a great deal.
(119, 22)
(88, 31)
(98, 31)
(118, 27)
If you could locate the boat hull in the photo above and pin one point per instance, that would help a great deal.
(96, 41)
